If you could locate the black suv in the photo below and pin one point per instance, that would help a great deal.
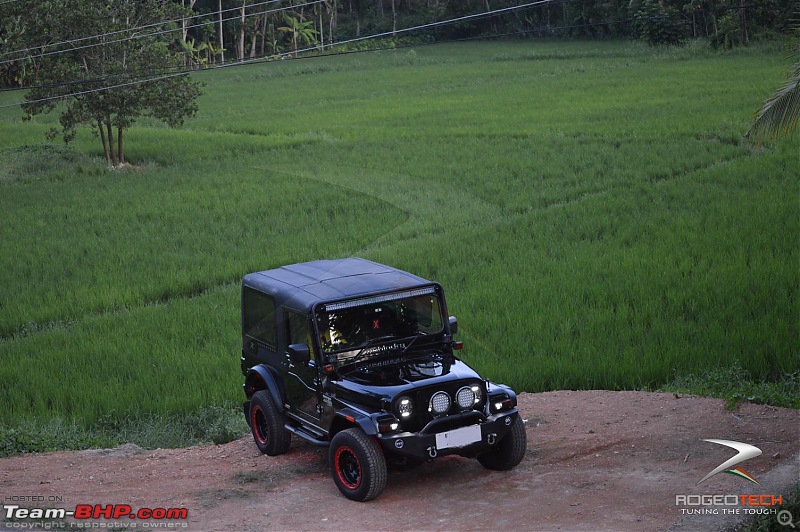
(359, 357)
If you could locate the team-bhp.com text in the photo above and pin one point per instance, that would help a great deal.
(110, 516)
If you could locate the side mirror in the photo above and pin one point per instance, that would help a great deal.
(453, 324)
(299, 353)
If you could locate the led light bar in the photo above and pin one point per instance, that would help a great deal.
(394, 296)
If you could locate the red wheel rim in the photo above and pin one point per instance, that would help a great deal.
(259, 423)
(348, 468)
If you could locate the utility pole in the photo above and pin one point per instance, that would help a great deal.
(221, 42)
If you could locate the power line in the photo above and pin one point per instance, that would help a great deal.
(484, 14)
(142, 36)
(288, 55)
(450, 21)
(210, 22)
(272, 57)
(111, 77)
(133, 28)
(295, 52)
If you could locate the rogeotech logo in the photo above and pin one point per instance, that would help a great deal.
(746, 452)
(736, 504)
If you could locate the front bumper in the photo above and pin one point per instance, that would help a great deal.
(474, 437)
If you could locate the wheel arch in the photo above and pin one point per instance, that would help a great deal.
(262, 377)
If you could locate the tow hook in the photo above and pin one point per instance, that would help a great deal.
(432, 452)
(491, 438)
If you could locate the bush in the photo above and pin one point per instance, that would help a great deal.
(729, 32)
(659, 24)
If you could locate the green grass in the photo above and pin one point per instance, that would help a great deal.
(737, 386)
(590, 208)
(215, 423)
(770, 522)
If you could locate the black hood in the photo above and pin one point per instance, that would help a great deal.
(388, 377)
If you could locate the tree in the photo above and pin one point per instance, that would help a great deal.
(659, 23)
(12, 31)
(299, 30)
(781, 112)
(127, 70)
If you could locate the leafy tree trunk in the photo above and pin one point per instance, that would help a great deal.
(110, 130)
(264, 36)
(254, 39)
(331, 19)
(240, 48)
(103, 139)
(745, 36)
(120, 146)
(357, 9)
(185, 26)
(322, 29)
(221, 39)
(714, 23)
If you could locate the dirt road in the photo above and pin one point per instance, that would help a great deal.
(596, 460)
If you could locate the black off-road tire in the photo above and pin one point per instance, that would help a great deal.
(510, 451)
(267, 425)
(357, 464)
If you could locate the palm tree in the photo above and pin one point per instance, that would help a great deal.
(299, 30)
(780, 113)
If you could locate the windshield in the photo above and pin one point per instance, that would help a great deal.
(350, 328)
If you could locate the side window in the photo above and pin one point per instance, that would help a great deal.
(258, 315)
(299, 331)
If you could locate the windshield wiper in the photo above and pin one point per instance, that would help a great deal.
(417, 336)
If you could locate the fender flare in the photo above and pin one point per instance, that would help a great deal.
(262, 377)
(494, 388)
(367, 423)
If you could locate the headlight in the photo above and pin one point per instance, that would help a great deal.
(465, 397)
(478, 391)
(405, 407)
(440, 403)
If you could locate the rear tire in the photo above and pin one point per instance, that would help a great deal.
(358, 465)
(510, 451)
(267, 425)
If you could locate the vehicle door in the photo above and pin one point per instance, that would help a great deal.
(303, 390)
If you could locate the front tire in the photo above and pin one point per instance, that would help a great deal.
(267, 425)
(358, 465)
(510, 451)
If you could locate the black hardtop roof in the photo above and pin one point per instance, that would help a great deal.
(305, 284)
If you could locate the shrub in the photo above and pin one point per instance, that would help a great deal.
(659, 24)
